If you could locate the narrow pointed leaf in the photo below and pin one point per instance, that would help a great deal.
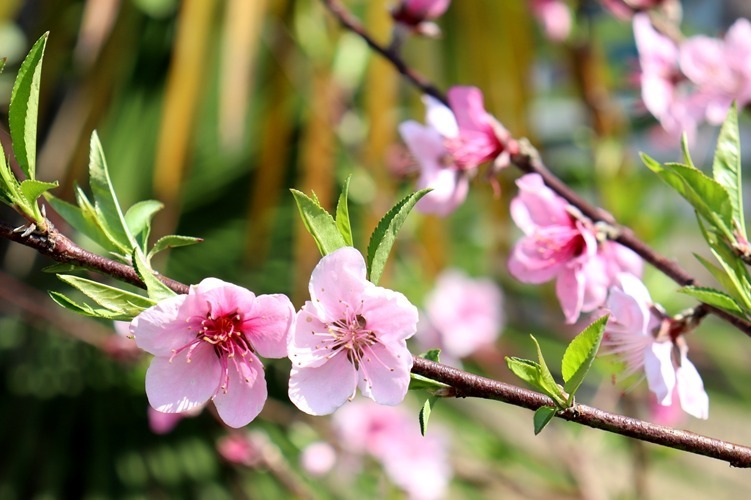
(713, 297)
(105, 200)
(138, 217)
(32, 189)
(86, 309)
(75, 216)
(24, 108)
(425, 411)
(319, 223)
(173, 241)
(532, 373)
(726, 167)
(579, 356)
(342, 214)
(8, 182)
(550, 387)
(384, 235)
(111, 298)
(543, 416)
(157, 290)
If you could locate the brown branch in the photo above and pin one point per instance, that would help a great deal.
(60, 248)
(468, 385)
(528, 160)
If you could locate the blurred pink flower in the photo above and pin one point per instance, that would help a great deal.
(463, 314)
(452, 145)
(559, 246)
(720, 69)
(416, 15)
(205, 346)
(634, 333)
(625, 9)
(554, 16)
(241, 448)
(418, 464)
(164, 423)
(318, 458)
(350, 334)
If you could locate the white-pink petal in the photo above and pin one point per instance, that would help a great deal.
(691, 393)
(323, 389)
(158, 331)
(440, 118)
(245, 394)
(384, 374)
(268, 325)
(658, 367)
(337, 283)
(180, 385)
(389, 314)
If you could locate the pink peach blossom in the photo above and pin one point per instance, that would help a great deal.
(559, 246)
(205, 344)
(452, 145)
(414, 12)
(318, 458)
(634, 334)
(554, 16)
(351, 334)
(417, 464)
(462, 315)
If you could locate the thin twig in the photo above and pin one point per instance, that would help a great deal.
(528, 160)
(469, 385)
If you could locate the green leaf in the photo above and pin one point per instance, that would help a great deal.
(173, 241)
(111, 298)
(157, 290)
(707, 196)
(548, 384)
(579, 356)
(384, 235)
(32, 189)
(543, 416)
(532, 373)
(419, 382)
(342, 214)
(105, 200)
(713, 297)
(432, 355)
(319, 223)
(10, 187)
(726, 167)
(76, 217)
(138, 219)
(87, 310)
(425, 411)
(24, 104)
(3, 60)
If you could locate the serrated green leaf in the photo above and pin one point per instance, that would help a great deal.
(24, 107)
(138, 219)
(111, 298)
(342, 214)
(425, 411)
(9, 184)
(707, 196)
(157, 290)
(543, 416)
(526, 369)
(319, 223)
(75, 216)
(173, 241)
(713, 297)
(384, 235)
(548, 384)
(722, 278)
(579, 356)
(105, 200)
(85, 309)
(32, 189)
(726, 167)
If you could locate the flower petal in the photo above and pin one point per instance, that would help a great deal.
(157, 329)
(384, 373)
(439, 117)
(691, 393)
(337, 283)
(569, 288)
(658, 366)
(308, 344)
(389, 314)
(181, 384)
(246, 392)
(268, 325)
(321, 390)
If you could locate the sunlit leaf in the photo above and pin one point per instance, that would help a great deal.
(319, 223)
(579, 356)
(138, 219)
(24, 104)
(173, 241)
(342, 214)
(543, 416)
(726, 167)
(111, 298)
(425, 411)
(157, 290)
(713, 297)
(384, 235)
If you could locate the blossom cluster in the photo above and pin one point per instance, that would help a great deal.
(685, 83)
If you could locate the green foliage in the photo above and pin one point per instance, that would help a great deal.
(319, 223)
(579, 355)
(418, 382)
(24, 107)
(342, 214)
(157, 290)
(713, 297)
(384, 235)
(425, 411)
(577, 360)
(726, 167)
(122, 304)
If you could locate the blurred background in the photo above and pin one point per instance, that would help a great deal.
(217, 108)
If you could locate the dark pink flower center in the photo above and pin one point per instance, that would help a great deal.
(225, 334)
(351, 335)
